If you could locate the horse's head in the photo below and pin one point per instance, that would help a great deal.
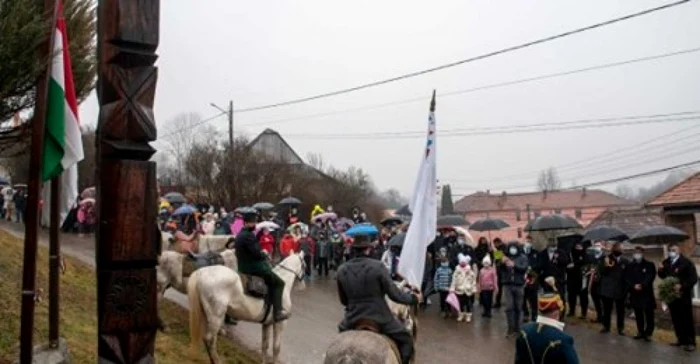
(295, 264)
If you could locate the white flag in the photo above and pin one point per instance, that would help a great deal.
(421, 231)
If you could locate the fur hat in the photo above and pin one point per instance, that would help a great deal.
(486, 260)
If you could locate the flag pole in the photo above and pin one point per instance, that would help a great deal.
(48, 7)
(54, 262)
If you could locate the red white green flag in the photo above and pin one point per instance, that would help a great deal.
(63, 146)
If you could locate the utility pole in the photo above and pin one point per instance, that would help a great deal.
(230, 125)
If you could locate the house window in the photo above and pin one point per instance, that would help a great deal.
(578, 213)
(517, 215)
(520, 235)
(537, 213)
(557, 211)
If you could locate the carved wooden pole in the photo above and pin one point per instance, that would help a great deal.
(126, 181)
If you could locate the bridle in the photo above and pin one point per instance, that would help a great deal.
(299, 276)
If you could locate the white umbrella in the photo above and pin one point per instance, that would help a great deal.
(269, 225)
(468, 237)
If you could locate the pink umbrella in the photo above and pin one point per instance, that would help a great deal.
(453, 301)
(326, 216)
(237, 226)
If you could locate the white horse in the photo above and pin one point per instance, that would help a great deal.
(169, 274)
(215, 291)
(205, 243)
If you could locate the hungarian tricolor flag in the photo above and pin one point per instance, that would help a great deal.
(63, 146)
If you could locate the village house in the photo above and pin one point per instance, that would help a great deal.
(517, 209)
(680, 207)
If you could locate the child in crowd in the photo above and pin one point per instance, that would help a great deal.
(488, 285)
(442, 282)
(464, 286)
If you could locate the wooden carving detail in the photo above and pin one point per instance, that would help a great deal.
(126, 181)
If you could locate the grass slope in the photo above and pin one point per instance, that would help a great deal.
(79, 316)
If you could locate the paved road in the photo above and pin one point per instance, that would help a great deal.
(316, 313)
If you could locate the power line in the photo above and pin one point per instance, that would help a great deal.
(509, 129)
(201, 122)
(481, 88)
(602, 157)
(607, 169)
(460, 62)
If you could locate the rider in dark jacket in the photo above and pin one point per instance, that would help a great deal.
(363, 284)
(253, 260)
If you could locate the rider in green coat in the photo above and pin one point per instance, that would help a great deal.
(252, 260)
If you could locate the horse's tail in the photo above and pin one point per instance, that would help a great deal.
(196, 323)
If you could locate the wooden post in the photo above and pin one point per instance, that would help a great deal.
(33, 190)
(54, 262)
(126, 250)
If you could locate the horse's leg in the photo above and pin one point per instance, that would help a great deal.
(265, 341)
(215, 319)
(277, 340)
(162, 326)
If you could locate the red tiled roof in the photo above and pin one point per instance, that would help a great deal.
(630, 220)
(483, 201)
(685, 192)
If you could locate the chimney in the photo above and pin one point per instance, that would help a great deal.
(544, 194)
(583, 192)
(504, 195)
(488, 192)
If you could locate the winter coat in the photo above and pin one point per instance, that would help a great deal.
(684, 270)
(250, 258)
(488, 279)
(323, 249)
(443, 278)
(308, 246)
(464, 281)
(481, 251)
(287, 245)
(644, 273)
(612, 279)
(515, 275)
(267, 242)
(457, 249)
(363, 285)
(554, 267)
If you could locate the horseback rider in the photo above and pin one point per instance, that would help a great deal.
(363, 284)
(254, 261)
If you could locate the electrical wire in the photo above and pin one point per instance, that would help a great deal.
(468, 60)
(199, 123)
(478, 88)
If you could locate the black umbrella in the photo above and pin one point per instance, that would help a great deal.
(263, 206)
(554, 222)
(290, 201)
(659, 234)
(175, 197)
(403, 211)
(397, 240)
(452, 220)
(393, 220)
(604, 233)
(488, 224)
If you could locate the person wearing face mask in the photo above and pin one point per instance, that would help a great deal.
(532, 284)
(515, 265)
(552, 263)
(640, 275)
(442, 283)
(574, 280)
(596, 261)
(613, 288)
(676, 265)
(464, 286)
(488, 284)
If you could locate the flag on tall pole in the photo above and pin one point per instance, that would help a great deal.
(63, 146)
(421, 231)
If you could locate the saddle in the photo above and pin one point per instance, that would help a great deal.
(254, 286)
(193, 261)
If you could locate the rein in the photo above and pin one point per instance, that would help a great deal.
(299, 276)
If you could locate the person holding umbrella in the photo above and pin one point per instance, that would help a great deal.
(613, 288)
(680, 267)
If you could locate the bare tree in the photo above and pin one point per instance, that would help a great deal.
(393, 199)
(549, 180)
(316, 160)
(626, 192)
(180, 136)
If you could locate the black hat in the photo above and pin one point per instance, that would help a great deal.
(361, 241)
(248, 214)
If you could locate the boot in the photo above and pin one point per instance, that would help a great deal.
(460, 317)
(469, 317)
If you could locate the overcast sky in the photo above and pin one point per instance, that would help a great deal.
(261, 52)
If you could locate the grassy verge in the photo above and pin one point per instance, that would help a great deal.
(78, 313)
